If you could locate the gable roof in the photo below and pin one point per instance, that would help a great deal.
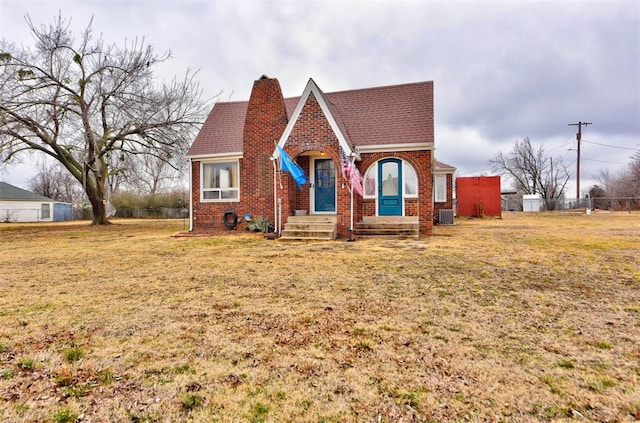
(441, 167)
(367, 117)
(10, 192)
(330, 113)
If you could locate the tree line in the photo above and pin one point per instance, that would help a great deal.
(97, 111)
(532, 170)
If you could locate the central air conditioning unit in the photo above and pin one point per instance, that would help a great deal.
(445, 217)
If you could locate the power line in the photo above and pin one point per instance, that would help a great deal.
(560, 146)
(612, 146)
(603, 161)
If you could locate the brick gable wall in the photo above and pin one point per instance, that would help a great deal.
(312, 132)
(421, 206)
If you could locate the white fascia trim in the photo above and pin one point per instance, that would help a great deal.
(214, 157)
(390, 148)
(443, 170)
(312, 87)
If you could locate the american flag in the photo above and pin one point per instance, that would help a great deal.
(351, 173)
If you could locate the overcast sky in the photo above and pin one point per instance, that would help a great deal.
(502, 70)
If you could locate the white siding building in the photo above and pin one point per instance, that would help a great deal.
(19, 205)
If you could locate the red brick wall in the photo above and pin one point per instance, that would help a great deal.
(421, 206)
(265, 121)
(312, 132)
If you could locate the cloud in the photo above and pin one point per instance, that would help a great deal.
(502, 70)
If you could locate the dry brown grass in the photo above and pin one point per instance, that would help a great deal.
(525, 318)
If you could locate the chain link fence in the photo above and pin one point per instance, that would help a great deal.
(629, 204)
(152, 213)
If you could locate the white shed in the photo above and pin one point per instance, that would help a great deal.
(531, 203)
(19, 205)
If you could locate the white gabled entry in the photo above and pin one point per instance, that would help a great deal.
(312, 88)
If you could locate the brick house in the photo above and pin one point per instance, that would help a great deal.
(386, 132)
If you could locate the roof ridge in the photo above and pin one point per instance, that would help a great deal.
(12, 192)
(379, 87)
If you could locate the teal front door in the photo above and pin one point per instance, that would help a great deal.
(390, 187)
(324, 186)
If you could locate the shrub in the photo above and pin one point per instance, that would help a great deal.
(260, 224)
(191, 402)
(65, 415)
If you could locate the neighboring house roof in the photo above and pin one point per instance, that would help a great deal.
(441, 167)
(10, 192)
(376, 116)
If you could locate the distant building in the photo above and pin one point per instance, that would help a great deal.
(19, 205)
(479, 196)
(532, 203)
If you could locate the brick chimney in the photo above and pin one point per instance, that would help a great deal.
(265, 122)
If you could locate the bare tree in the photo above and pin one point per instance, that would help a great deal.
(533, 171)
(152, 175)
(634, 174)
(89, 105)
(626, 183)
(56, 183)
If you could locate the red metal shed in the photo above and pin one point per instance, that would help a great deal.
(478, 196)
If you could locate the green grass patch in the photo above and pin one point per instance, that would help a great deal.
(258, 412)
(65, 415)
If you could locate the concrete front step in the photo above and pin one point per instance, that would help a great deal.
(388, 227)
(315, 218)
(317, 227)
(373, 226)
(301, 234)
(387, 236)
(390, 219)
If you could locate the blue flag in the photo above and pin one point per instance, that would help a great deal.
(292, 167)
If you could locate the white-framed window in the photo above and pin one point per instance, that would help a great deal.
(410, 180)
(409, 177)
(440, 188)
(220, 181)
(371, 181)
(45, 211)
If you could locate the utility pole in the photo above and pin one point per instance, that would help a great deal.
(579, 137)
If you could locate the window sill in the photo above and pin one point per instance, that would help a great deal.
(231, 200)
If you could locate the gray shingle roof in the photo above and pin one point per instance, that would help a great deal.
(10, 192)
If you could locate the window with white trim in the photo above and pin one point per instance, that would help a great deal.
(409, 177)
(410, 180)
(45, 211)
(220, 181)
(370, 181)
(440, 188)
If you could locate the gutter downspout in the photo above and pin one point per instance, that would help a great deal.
(190, 195)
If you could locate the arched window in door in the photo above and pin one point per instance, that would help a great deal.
(410, 181)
